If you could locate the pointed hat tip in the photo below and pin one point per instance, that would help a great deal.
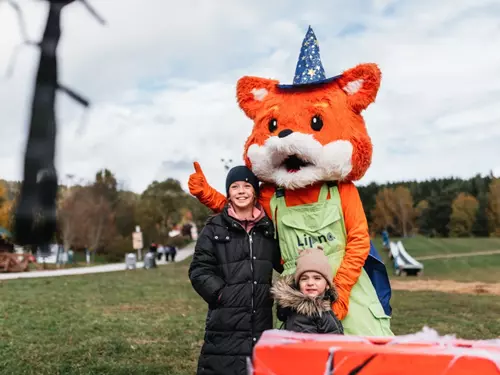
(309, 69)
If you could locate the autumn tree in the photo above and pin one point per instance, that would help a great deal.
(106, 185)
(3, 193)
(161, 207)
(199, 212)
(6, 207)
(85, 215)
(403, 209)
(98, 222)
(111, 216)
(463, 215)
(382, 214)
(493, 211)
(126, 212)
(70, 213)
(394, 209)
(99, 201)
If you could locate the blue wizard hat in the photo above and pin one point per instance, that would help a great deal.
(309, 70)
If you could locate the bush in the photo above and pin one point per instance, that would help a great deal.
(116, 250)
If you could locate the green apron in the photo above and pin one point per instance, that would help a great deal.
(308, 225)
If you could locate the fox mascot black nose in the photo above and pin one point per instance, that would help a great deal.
(284, 133)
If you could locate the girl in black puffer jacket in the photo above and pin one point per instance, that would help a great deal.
(232, 271)
(304, 300)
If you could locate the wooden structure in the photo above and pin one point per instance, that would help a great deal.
(10, 262)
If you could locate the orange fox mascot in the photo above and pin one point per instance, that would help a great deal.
(308, 143)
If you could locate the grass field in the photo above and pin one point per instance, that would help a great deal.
(481, 268)
(151, 322)
(471, 268)
(422, 246)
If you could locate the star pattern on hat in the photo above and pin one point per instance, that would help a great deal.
(309, 67)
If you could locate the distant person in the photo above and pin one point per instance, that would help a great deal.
(232, 271)
(172, 253)
(167, 252)
(153, 248)
(385, 239)
(186, 230)
(304, 300)
(161, 251)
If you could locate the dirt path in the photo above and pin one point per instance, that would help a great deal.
(447, 286)
(458, 255)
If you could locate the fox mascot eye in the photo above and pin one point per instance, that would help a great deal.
(316, 123)
(273, 125)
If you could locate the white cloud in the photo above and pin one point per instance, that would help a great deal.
(162, 82)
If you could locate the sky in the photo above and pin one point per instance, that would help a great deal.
(161, 82)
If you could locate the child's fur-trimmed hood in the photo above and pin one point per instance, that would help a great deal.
(285, 293)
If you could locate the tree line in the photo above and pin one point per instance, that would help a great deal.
(100, 217)
(446, 207)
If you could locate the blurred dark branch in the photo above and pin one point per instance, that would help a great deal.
(35, 218)
(24, 37)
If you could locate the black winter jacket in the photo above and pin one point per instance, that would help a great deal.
(232, 271)
(301, 313)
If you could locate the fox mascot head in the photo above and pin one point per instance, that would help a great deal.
(311, 130)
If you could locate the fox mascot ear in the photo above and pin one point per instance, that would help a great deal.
(361, 85)
(251, 93)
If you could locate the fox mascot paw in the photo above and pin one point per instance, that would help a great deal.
(201, 189)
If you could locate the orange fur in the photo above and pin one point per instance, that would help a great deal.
(262, 100)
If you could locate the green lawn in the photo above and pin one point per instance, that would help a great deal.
(151, 322)
(484, 268)
(424, 246)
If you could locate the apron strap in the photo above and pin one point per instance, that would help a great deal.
(323, 193)
(329, 186)
(273, 206)
(278, 200)
(334, 192)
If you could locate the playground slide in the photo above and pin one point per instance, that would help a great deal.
(393, 250)
(397, 259)
(404, 264)
(407, 258)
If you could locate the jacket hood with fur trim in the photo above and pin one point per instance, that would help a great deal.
(285, 293)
